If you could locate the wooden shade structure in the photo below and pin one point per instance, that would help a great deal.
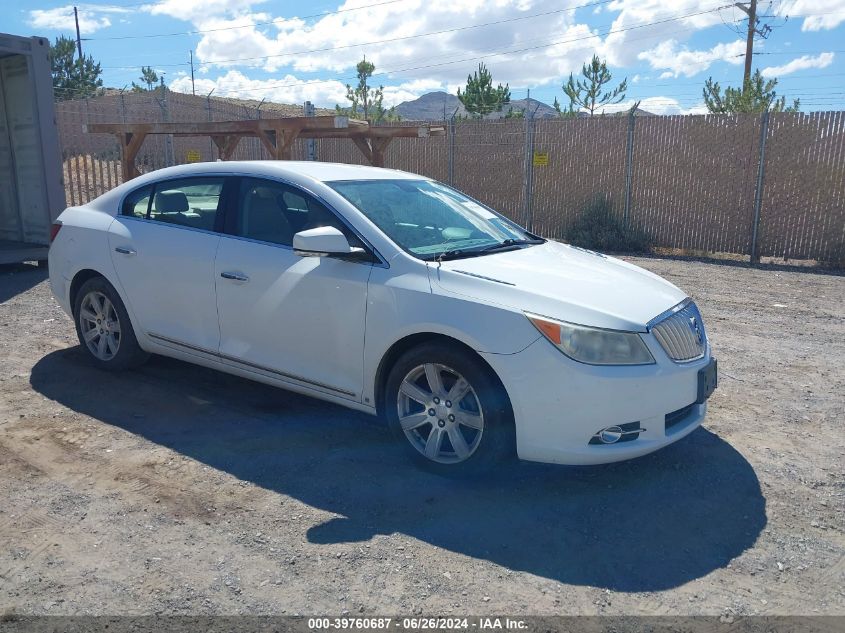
(276, 135)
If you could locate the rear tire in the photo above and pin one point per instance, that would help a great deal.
(448, 410)
(103, 327)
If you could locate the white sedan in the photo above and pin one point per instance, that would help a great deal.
(393, 294)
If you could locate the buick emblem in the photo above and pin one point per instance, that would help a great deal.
(696, 330)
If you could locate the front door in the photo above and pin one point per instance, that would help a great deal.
(298, 319)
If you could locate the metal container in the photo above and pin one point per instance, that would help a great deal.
(31, 189)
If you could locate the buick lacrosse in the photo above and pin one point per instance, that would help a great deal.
(393, 294)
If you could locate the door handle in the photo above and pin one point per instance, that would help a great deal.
(125, 251)
(234, 276)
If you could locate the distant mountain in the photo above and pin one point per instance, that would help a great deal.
(437, 106)
(539, 109)
(433, 106)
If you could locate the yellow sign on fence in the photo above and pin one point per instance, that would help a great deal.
(541, 159)
(193, 156)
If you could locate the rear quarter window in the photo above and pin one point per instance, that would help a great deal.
(137, 203)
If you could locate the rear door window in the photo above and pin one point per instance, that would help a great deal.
(190, 202)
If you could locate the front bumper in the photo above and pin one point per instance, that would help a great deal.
(560, 404)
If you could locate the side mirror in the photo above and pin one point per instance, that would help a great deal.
(324, 241)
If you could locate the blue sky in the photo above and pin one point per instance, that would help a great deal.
(295, 50)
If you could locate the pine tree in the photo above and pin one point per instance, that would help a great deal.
(72, 77)
(756, 95)
(479, 97)
(149, 77)
(590, 94)
(366, 102)
(569, 113)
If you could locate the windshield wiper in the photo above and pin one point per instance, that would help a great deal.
(509, 243)
(458, 253)
(455, 253)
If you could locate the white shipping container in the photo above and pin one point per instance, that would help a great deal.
(31, 189)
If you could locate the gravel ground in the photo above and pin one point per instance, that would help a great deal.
(179, 490)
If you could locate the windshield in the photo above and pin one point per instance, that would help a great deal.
(428, 219)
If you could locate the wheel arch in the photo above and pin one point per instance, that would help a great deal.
(414, 340)
(78, 280)
(83, 275)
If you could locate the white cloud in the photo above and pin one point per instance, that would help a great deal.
(644, 23)
(819, 15)
(822, 60)
(292, 89)
(558, 45)
(91, 18)
(198, 10)
(682, 61)
(657, 105)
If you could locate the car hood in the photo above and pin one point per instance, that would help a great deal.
(562, 282)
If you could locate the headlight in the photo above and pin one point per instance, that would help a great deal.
(594, 346)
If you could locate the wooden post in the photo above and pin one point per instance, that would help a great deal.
(231, 145)
(130, 144)
(364, 145)
(284, 142)
(379, 146)
(268, 142)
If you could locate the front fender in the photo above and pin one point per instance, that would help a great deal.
(399, 307)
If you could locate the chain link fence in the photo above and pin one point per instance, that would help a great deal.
(749, 186)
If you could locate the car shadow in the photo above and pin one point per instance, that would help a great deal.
(18, 278)
(645, 525)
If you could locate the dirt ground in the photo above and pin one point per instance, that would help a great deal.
(179, 490)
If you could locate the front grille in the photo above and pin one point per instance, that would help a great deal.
(681, 333)
(677, 416)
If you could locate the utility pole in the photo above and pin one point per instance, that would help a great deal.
(193, 90)
(78, 38)
(750, 9)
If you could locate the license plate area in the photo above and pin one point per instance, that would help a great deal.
(708, 380)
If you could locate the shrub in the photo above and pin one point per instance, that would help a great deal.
(599, 228)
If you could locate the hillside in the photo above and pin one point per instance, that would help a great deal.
(437, 106)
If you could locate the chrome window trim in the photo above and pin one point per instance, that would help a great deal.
(173, 224)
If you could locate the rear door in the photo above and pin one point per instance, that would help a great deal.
(163, 246)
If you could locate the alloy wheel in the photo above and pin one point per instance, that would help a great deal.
(439, 413)
(100, 325)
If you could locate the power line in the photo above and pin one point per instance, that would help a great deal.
(243, 26)
(396, 39)
(479, 57)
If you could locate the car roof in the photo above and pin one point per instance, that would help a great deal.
(322, 172)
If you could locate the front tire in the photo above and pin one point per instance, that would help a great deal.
(103, 327)
(448, 409)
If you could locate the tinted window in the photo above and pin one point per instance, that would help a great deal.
(192, 202)
(137, 203)
(273, 212)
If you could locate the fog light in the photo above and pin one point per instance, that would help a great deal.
(610, 435)
(617, 433)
